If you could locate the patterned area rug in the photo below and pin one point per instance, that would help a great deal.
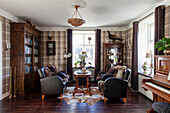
(81, 98)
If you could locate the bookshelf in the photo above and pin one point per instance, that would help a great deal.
(25, 55)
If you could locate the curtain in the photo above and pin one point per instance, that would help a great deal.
(97, 52)
(134, 78)
(69, 50)
(159, 25)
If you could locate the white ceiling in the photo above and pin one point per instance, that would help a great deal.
(98, 13)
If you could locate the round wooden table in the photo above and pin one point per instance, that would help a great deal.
(80, 89)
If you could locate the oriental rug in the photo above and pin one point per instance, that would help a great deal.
(81, 98)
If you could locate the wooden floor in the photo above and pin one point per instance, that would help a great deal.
(32, 103)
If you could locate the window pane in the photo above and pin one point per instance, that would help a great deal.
(91, 56)
(78, 39)
(77, 50)
(89, 42)
(152, 33)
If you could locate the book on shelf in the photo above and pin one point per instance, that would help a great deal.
(36, 42)
(35, 51)
(36, 59)
(28, 41)
(28, 50)
(27, 60)
(28, 69)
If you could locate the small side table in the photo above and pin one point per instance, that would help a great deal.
(78, 74)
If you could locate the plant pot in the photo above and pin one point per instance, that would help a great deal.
(167, 52)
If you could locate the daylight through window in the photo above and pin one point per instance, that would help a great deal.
(84, 41)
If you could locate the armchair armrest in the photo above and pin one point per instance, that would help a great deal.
(105, 76)
(101, 72)
(61, 74)
(52, 85)
(118, 80)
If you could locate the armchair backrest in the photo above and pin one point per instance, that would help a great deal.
(42, 74)
(127, 73)
(115, 87)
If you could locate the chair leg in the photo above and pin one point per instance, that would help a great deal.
(61, 96)
(104, 99)
(124, 100)
(43, 97)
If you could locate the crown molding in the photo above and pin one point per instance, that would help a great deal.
(9, 16)
(81, 28)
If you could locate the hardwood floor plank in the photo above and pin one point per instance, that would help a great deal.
(32, 103)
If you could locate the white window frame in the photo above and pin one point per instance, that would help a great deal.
(84, 33)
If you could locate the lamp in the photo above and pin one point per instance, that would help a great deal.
(75, 20)
(148, 55)
(67, 55)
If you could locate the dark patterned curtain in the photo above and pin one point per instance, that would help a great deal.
(97, 52)
(159, 25)
(69, 50)
(134, 79)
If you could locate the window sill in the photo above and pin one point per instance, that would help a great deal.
(146, 75)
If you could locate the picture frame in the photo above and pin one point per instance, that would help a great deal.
(50, 48)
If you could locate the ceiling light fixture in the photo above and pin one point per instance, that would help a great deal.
(75, 20)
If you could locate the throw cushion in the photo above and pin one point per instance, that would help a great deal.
(47, 72)
(53, 68)
(120, 72)
(111, 70)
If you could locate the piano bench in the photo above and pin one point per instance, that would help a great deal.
(161, 107)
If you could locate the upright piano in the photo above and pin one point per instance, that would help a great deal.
(159, 84)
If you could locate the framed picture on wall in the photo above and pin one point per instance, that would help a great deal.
(50, 48)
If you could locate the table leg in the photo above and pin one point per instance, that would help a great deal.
(87, 85)
(77, 85)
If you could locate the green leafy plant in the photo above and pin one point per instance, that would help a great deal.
(76, 62)
(163, 44)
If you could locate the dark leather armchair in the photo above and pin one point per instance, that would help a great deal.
(116, 87)
(51, 85)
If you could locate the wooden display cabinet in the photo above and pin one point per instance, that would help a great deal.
(113, 55)
(25, 56)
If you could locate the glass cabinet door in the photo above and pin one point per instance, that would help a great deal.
(113, 57)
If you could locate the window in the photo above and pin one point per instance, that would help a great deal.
(84, 41)
(150, 43)
(146, 41)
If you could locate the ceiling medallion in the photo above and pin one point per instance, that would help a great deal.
(75, 20)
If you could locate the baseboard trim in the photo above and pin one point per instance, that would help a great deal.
(4, 95)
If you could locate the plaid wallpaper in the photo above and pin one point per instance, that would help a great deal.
(5, 54)
(105, 39)
(167, 22)
(128, 47)
(60, 38)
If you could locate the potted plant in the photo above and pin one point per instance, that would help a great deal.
(76, 63)
(163, 44)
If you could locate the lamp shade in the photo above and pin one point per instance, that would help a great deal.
(148, 55)
(67, 55)
(76, 21)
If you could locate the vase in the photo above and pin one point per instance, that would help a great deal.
(167, 52)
